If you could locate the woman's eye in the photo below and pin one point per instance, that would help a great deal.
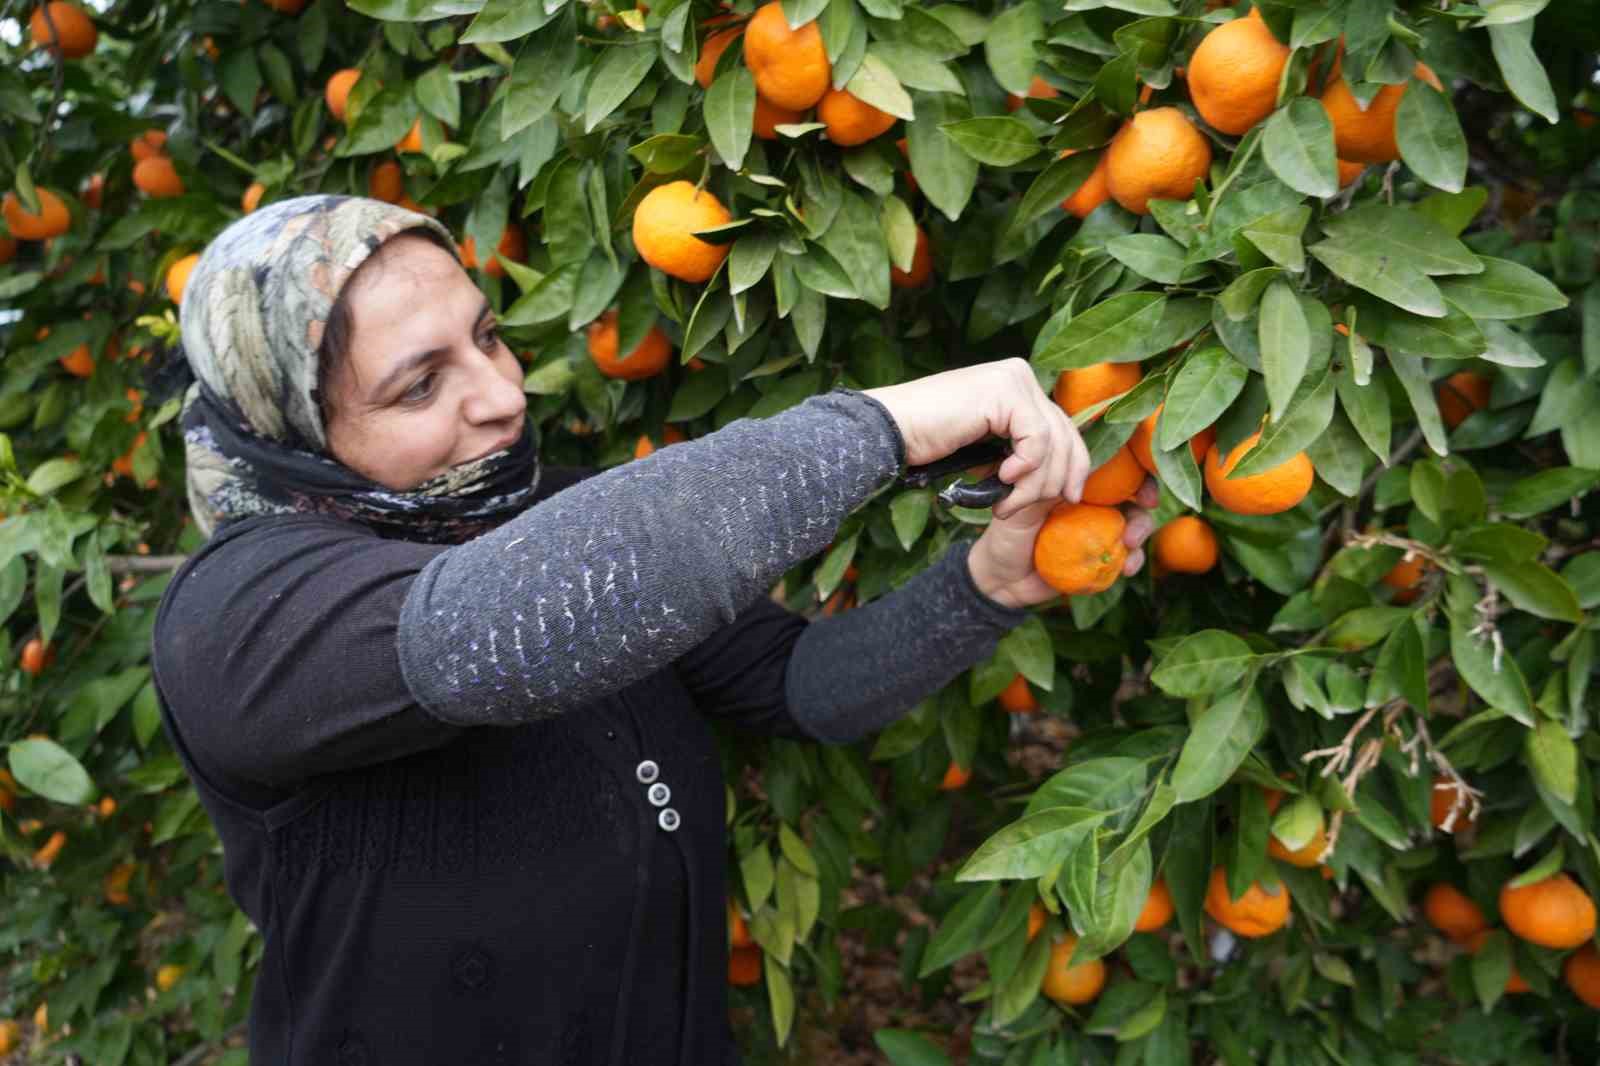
(417, 393)
(491, 337)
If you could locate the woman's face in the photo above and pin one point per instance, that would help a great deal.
(428, 384)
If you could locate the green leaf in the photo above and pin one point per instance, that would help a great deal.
(1116, 330)
(962, 930)
(998, 141)
(1285, 344)
(612, 80)
(1553, 757)
(1546, 490)
(1430, 138)
(1386, 278)
(1337, 456)
(945, 174)
(1455, 336)
(1504, 290)
(1306, 419)
(1454, 211)
(698, 394)
(1009, 47)
(1537, 589)
(1523, 71)
(1150, 255)
(1203, 663)
(1240, 298)
(1298, 146)
(1582, 575)
(1218, 743)
(439, 95)
(1029, 649)
(1496, 679)
(916, 68)
(1491, 968)
(1055, 183)
(543, 67)
(780, 995)
(874, 83)
(1205, 386)
(1414, 380)
(730, 113)
(46, 768)
(1031, 846)
(1403, 235)
(1278, 236)
(856, 242)
(909, 514)
(905, 1048)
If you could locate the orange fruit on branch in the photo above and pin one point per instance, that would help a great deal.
(1404, 577)
(647, 359)
(46, 856)
(8, 250)
(1233, 75)
(1367, 135)
(851, 120)
(1157, 155)
(68, 32)
(178, 276)
(1582, 974)
(645, 446)
(921, 266)
(337, 93)
(1114, 481)
(790, 65)
(706, 66)
(1017, 697)
(1452, 912)
(954, 778)
(738, 932)
(252, 196)
(1036, 919)
(664, 227)
(1079, 549)
(1446, 796)
(1349, 171)
(1158, 909)
(36, 655)
(1186, 545)
(1305, 856)
(1554, 913)
(79, 362)
(769, 116)
(52, 220)
(1038, 89)
(157, 178)
(387, 182)
(1091, 194)
(148, 145)
(513, 246)
(1259, 912)
(744, 966)
(1080, 389)
(1069, 983)
(1271, 491)
(1461, 394)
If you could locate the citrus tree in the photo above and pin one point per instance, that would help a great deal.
(1317, 785)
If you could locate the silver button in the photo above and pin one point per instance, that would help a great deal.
(659, 794)
(668, 820)
(647, 771)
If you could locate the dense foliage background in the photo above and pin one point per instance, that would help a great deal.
(1305, 690)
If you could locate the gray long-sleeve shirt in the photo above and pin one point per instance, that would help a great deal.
(616, 576)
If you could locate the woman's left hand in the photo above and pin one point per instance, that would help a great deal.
(1002, 560)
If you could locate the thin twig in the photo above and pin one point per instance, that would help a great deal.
(144, 564)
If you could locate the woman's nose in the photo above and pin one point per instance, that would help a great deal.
(495, 396)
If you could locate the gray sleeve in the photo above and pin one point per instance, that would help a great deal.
(856, 672)
(613, 578)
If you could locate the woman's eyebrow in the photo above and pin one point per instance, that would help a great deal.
(415, 359)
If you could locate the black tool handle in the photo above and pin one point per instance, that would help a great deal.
(985, 493)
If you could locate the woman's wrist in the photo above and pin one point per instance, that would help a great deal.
(987, 578)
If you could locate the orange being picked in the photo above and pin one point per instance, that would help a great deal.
(513, 246)
(954, 778)
(921, 266)
(744, 966)
(1157, 155)
(1068, 983)
(850, 120)
(665, 223)
(1079, 550)
(1186, 545)
(252, 196)
(1079, 390)
(1306, 856)
(1036, 919)
(1114, 481)
(1582, 974)
(178, 276)
(1257, 913)
(1461, 394)
(1404, 577)
(1367, 136)
(157, 178)
(1452, 912)
(52, 220)
(1553, 913)
(1158, 909)
(1038, 89)
(710, 52)
(337, 92)
(790, 65)
(645, 361)
(769, 116)
(1349, 171)
(1271, 491)
(1017, 697)
(1091, 194)
(69, 32)
(1233, 75)
(387, 182)
(645, 446)
(738, 933)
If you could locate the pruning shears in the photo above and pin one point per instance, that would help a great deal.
(986, 493)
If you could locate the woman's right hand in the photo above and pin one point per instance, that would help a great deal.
(940, 413)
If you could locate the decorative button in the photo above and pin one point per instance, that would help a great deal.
(659, 794)
(611, 734)
(668, 820)
(647, 771)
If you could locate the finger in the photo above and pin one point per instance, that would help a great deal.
(1060, 450)
(1149, 494)
(1134, 562)
(1079, 467)
(1138, 529)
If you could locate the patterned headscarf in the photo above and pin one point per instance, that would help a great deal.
(253, 314)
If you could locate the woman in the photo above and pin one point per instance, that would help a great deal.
(448, 710)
